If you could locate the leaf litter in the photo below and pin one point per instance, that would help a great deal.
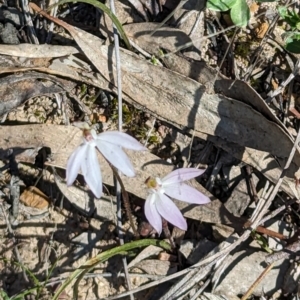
(226, 115)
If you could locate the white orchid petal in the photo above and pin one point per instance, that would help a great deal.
(169, 211)
(186, 193)
(116, 156)
(74, 163)
(182, 174)
(151, 213)
(93, 134)
(121, 139)
(91, 171)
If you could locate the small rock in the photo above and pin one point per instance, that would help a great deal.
(221, 232)
(239, 198)
(9, 34)
(247, 266)
(280, 227)
(194, 250)
(209, 296)
(291, 279)
(186, 247)
(201, 249)
(157, 267)
(84, 238)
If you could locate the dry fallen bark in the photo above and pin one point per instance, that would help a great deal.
(249, 135)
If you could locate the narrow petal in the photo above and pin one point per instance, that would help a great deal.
(121, 139)
(91, 171)
(169, 211)
(182, 174)
(74, 163)
(186, 193)
(116, 156)
(151, 213)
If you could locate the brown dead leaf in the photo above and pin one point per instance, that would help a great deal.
(33, 197)
(95, 117)
(16, 89)
(261, 30)
(274, 84)
(167, 257)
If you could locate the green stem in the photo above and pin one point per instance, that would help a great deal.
(106, 255)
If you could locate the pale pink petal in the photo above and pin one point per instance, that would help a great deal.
(182, 174)
(74, 163)
(91, 171)
(151, 213)
(121, 139)
(169, 211)
(93, 134)
(186, 193)
(116, 156)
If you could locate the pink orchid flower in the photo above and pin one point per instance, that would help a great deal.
(109, 144)
(159, 205)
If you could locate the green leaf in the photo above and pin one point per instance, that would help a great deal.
(22, 295)
(220, 5)
(4, 295)
(282, 10)
(240, 13)
(293, 46)
(103, 256)
(289, 16)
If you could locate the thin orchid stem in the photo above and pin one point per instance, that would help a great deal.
(119, 185)
(168, 233)
(126, 201)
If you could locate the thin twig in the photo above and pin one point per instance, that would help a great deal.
(52, 13)
(285, 253)
(149, 132)
(202, 288)
(181, 3)
(207, 262)
(212, 259)
(251, 182)
(257, 281)
(195, 276)
(28, 22)
(282, 86)
(277, 211)
(278, 184)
